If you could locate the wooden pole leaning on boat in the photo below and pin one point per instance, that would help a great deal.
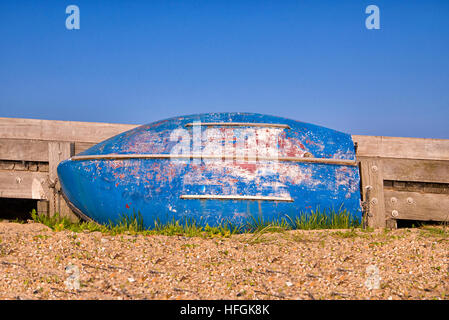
(344, 162)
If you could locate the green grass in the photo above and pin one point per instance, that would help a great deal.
(333, 219)
(442, 232)
(347, 234)
(316, 219)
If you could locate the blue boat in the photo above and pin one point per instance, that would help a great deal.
(214, 168)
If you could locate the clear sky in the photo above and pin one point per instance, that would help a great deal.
(313, 61)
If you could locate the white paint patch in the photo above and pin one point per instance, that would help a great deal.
(37, 191)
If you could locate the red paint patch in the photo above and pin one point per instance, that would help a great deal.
(251, 167)
(308, 141)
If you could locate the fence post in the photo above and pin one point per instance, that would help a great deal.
(42, 207)
(373, 192)
(57, 152)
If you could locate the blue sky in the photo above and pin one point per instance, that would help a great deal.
(313, 61)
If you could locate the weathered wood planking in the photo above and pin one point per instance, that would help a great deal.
(24, 150)
(416, 170)
(81, 146)
(403, 148)
(417, 206)
(54, 130)
(405, 160)
(32, 150)
(57, 152)
(42, 207)
(423, 187)
(372, 191)
(89, 133)
(94, 132)
(24, 185)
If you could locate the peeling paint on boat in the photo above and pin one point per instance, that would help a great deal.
(104, 189)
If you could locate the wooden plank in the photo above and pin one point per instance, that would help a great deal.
(32, 150)
(82, 146)
(53, 130)
(33, 166)
(43, 167)
(21, 166)
(57, 152)
(391, 224)
(343, 162)
(23, 150)
(23, 185)
(372, 191)
(94, 132)
(404, 148)
(425, 187)
(417, 206)
(416, 170)
(7, 165)
(42, 207)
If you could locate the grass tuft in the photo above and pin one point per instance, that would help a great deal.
(320, 219)
(133, 224)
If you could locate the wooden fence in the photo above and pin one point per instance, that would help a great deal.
(402, 178)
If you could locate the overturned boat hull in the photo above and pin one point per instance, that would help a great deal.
(214, 168)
